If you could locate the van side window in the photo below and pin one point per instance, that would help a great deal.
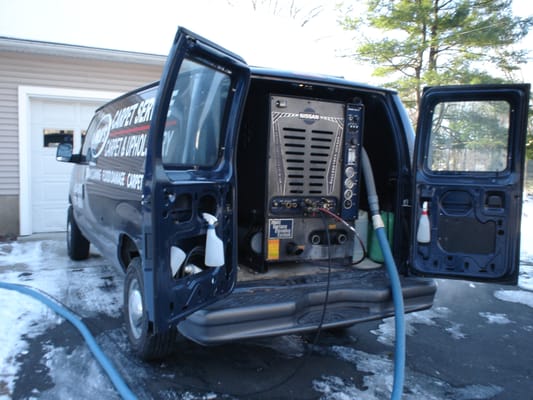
(470, 136)
(195, 116)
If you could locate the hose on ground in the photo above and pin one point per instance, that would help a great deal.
(106, 364)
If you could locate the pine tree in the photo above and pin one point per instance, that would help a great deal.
(433, 42)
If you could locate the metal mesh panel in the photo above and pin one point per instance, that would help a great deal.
(305, 147)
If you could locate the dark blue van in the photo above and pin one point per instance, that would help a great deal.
(232, 197)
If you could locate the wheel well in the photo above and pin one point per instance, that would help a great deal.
(127, 251)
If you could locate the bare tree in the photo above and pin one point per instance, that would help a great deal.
(299, 10)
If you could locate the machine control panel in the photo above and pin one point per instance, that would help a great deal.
(352, 154)
(301, 206)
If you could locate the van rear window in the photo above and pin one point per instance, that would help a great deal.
(195, 116)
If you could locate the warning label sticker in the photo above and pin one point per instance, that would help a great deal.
(273, 249)
(280, 228)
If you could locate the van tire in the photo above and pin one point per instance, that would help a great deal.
(145, 344)
(77, 245)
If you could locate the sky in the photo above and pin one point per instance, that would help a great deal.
(149, 26)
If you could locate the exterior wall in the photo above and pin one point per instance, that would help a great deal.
(55, 66)
(9, 216)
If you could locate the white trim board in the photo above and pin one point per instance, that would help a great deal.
(25, 94)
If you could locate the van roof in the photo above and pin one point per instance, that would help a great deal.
(277, 74)
(264, 73)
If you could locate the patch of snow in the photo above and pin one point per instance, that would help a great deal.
(385, 331)
(515, 296)
(24, 315)
(526, 231)
(525, 279)
(377, 385)
(45, 266)
(189, 396)
(455, 331)
(66, 368)
(492, 318)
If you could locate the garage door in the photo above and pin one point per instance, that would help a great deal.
(53, 122)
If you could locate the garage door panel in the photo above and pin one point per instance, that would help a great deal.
(53, 169)
(62, 120)
(49, 218)
(86, 113)
(54, 192)
(59, 112)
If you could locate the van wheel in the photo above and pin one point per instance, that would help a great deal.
(146, 344)
(77, 244)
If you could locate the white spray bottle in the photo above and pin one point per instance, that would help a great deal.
(214, 248)
(423, 235)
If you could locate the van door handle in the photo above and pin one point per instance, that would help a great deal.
(495, 201)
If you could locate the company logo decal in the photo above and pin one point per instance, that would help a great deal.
(309, 116)
(100, 136)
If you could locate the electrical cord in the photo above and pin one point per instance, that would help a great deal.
(352, 229)
(315, 339)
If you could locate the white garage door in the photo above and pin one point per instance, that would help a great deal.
(52, 122)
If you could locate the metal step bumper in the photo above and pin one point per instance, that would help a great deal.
(253, 311)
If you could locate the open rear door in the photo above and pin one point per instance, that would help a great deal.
(469, 169)
(189, 193)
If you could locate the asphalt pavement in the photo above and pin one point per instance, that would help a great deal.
(475, 343)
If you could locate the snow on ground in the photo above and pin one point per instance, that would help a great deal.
(385, 331)
(45, 266)
(91, 291)
(66, 368)
(377, 385)
(525, 280)
(515, 296)
(526, 245)
(496, 318)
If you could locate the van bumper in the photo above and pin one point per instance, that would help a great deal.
(253, 311)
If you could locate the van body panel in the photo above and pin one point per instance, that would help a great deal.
(240, 191)
(469, 175)
(190, 170)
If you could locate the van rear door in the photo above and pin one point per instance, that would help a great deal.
(190, 172)
(469, 169)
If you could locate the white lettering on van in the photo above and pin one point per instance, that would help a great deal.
(124, 116)
(112, 148)
(168, 136)
(144, 112)
(134, 146)
(172, 101)
(126, 146)
(134, 181)
(129, 180)
(94, 174)
(114, 177)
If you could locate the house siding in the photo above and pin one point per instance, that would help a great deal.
(96, 70)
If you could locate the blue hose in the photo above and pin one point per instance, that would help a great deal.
(106, 364)
(399, 323)
(392, 270)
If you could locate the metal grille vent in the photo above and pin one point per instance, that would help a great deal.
(306, 156)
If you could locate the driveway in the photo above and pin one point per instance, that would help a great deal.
(475, 343)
